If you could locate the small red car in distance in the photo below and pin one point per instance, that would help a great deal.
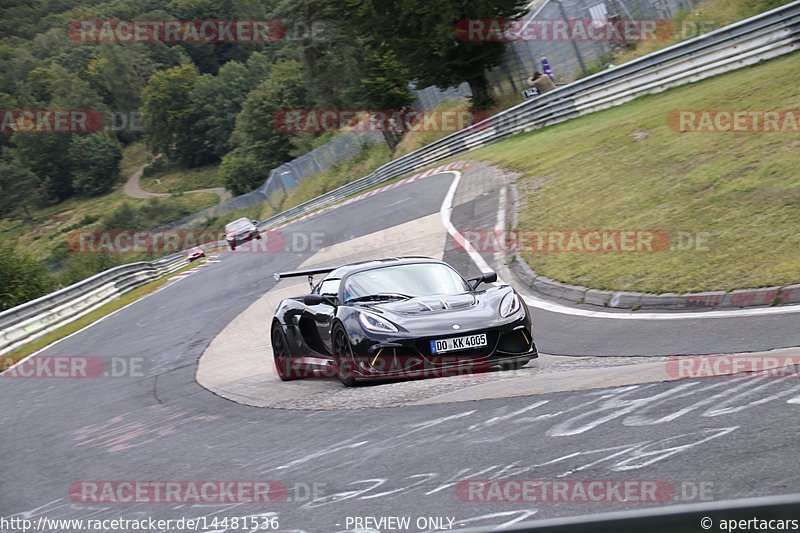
(195, 253)
(240, 231)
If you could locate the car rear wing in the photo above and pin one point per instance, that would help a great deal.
(298, 273)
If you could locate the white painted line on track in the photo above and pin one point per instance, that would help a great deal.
(169, 283)
(109, 315)
(445, 212)
(534, 301)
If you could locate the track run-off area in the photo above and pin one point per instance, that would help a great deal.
(603, 403)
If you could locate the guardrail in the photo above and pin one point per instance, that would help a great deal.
(769, 35)
(31, 320)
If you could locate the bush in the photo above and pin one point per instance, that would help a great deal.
(150, 215)
(89, 219)
(79, 266)
(94, 160)
(241, 172)
(22, 278)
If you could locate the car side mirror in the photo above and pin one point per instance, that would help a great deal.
(317, 299)
(486, 277)
(314, 299)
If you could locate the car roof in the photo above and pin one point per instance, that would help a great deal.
(239, 222)
(352, 268)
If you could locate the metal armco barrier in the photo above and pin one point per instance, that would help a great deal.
(763, 37)
(745, 43)
(31, 320)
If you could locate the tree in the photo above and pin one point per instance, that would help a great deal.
(241, 172)
(20, 190)
(256, 133)
(69, 91)
(116, 66)
(384, 80)
(167, 107)
(94, 161)
(22, 278)
(216, 100)
(46, 155)
(423, 36)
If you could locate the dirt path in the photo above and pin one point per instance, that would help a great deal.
(133, 188)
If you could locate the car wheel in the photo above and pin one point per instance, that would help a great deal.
(233, 247)
(343, 356)
(515, 365)
(281, 355)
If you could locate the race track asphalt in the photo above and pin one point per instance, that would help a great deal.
(712, 438)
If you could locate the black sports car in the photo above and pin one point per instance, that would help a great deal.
(398, 318)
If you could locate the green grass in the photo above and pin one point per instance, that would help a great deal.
(366, 162)
(52, 224)
(336, 176)
(623, 168)
(170, 178)
(9, 359)
(134, 156)
(706, 17)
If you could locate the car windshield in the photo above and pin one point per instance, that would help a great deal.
(416, 279)
(329, 287)
(237, 225)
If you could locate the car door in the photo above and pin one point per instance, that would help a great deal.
(322, 314)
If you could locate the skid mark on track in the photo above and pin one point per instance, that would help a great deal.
(137, 428)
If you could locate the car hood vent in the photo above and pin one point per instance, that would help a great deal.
(429, 304)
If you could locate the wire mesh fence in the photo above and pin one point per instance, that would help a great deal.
(570, 59)
(288, 176)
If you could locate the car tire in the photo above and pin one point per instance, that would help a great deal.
(343, 356)
(281, 355)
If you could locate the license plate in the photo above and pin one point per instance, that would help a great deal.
(459, 343)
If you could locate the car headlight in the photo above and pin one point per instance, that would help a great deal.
(375, 323)
(510, 304)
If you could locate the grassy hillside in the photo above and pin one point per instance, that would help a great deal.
(167, 178)
(624, 168)
(705, 17)
(363, 164)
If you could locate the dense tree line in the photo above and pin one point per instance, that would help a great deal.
(197, 104)
(208, 102)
